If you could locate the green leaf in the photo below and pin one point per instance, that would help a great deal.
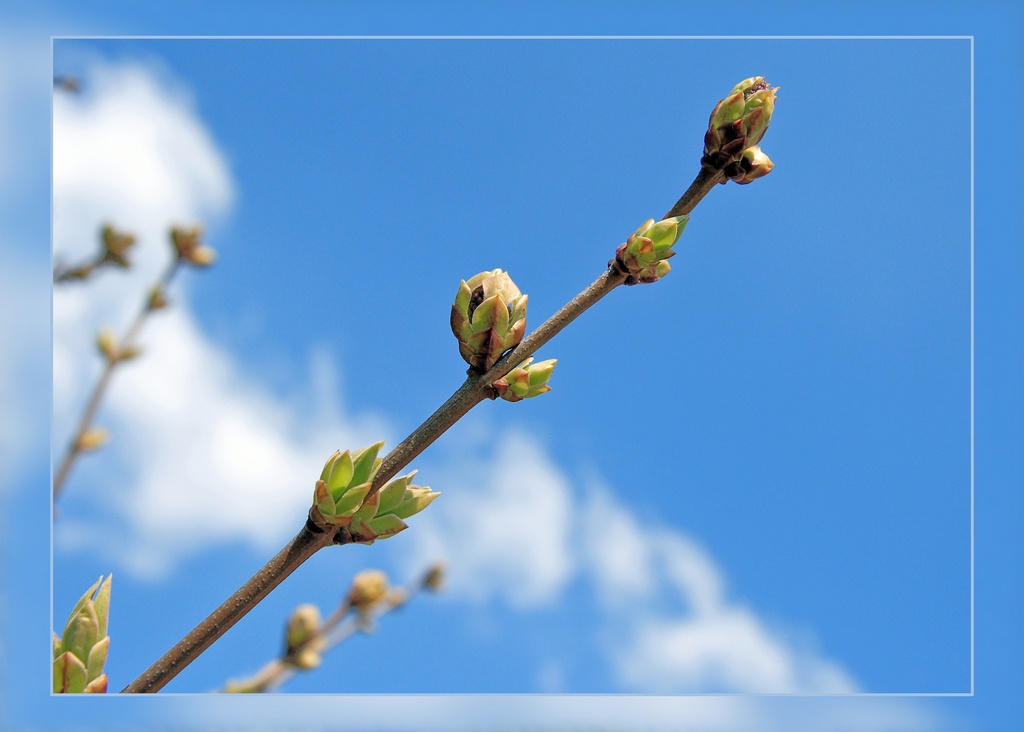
(85, 598)
(364, 462)
(326, 472)
(102, 605)
(323, 500)
(341, 475)
(81, 632)
(391, 495)
(387, 526)
(416, 501)
(97, 658)
(351, 500)
(68, 674)
(463, 297)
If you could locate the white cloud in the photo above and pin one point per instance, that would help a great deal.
(521, 532)
(204, 453)
(677, 631)
(505, 535)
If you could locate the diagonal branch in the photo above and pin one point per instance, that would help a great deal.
(317, 534)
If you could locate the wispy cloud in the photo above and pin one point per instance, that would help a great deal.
(517, 530)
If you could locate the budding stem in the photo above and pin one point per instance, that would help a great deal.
(98, 392)
(475, 389)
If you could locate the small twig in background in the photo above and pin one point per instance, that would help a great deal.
(307, 639)
(187, 249)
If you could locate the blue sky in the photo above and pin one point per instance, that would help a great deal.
(754, 476)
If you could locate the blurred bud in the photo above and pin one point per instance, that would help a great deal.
(434, 578)
(106, 342)
(129, 352)
(526, 380)
(157, 299)
(189, 248)
(92, 439)
(116, 245)
(488, 317)
(69, 84)
(81, 651)
(739, 121)
(642, 257)
(303, 626)
(753, 164)
(368, 588)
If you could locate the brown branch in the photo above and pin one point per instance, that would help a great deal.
(475, 389)
(305, 544)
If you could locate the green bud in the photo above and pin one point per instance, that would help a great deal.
(738, 122)
(344, 482)
(526, 380)
(488, 318)
(81, 652)
(643, 254)
(383, 514)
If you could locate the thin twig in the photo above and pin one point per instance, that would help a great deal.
(98, 392)
(475, 389)
(329, 635)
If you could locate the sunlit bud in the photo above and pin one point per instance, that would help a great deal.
(92, 439)
(642, 257)
(753, 164)
(738, 122)
(488, 318)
